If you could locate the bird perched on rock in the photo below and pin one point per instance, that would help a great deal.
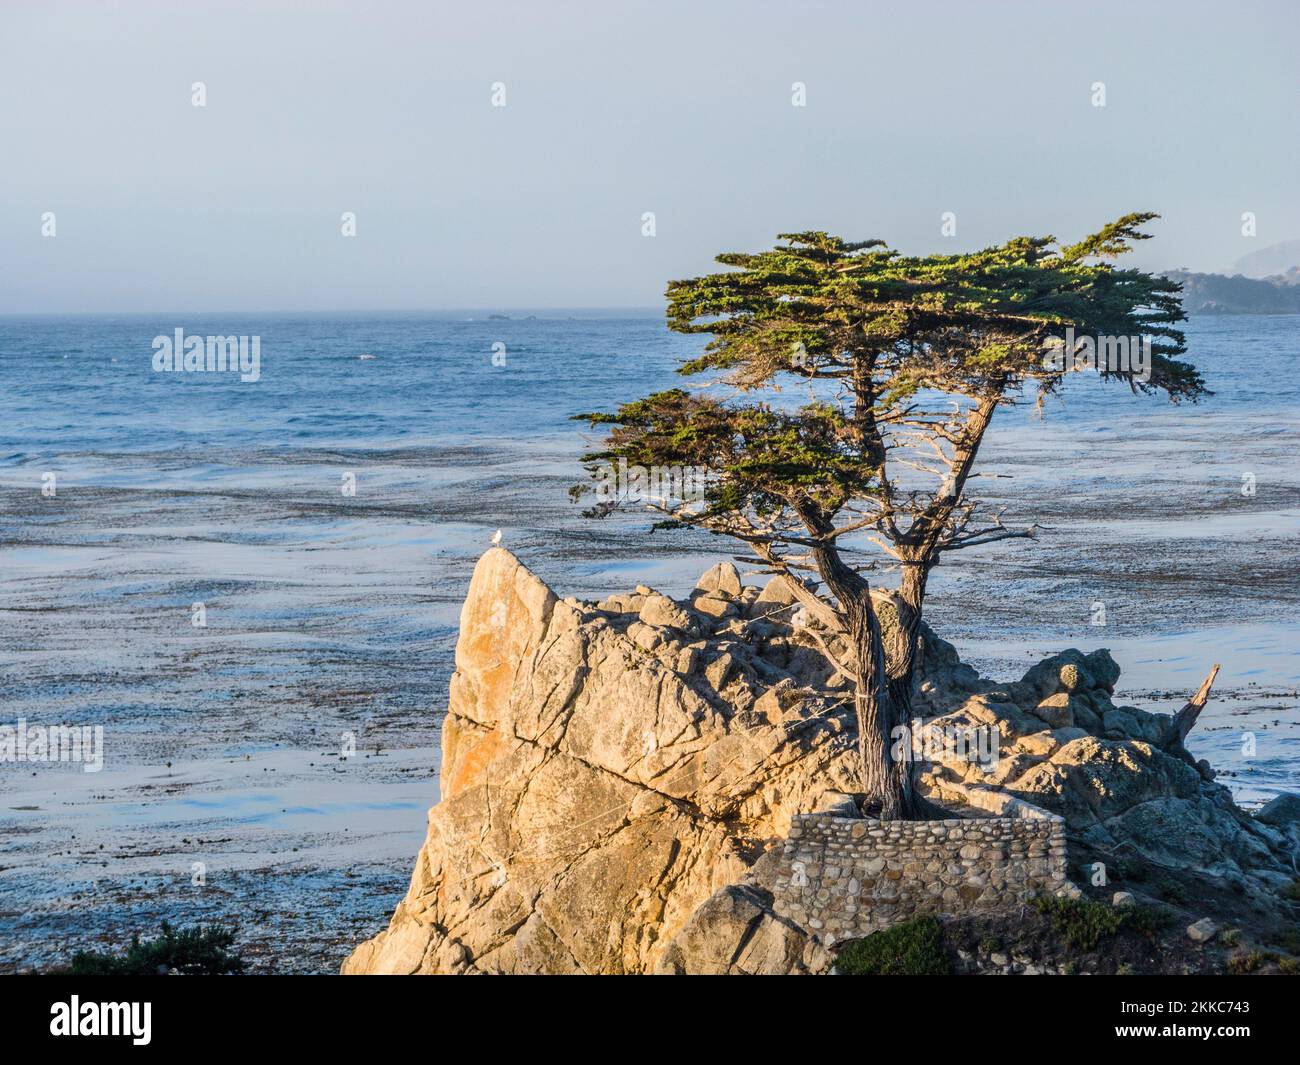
(496, 538)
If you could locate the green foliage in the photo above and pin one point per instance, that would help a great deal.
(1291, 891)
(1082, 923)
(938, 320)
(195, 951)
(1173, 891)
(886, 328)
(1244, 963)
(1148, 920)
(757, 455)
(913, 948)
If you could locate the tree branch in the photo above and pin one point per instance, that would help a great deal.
(988, 536)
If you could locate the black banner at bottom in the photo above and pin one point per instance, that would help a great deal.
(334, 1015)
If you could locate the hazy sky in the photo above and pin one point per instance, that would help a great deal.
(612, 109)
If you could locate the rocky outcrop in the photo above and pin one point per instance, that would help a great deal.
(606, 769)
(617, 777)
(1065, 746)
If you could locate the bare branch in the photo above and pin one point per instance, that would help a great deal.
(840, 668)
(1185, 719)
(820, 609)
(988, 536)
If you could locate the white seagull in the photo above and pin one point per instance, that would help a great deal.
(496, 538)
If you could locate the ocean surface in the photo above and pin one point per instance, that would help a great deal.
(327, 517)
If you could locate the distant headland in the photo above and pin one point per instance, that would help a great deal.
(1264, 282)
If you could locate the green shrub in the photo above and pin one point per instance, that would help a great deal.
(1242, 963)
(1231, 937)
(1292, 891)
(913, 948)
(1149, 920)
(1173, 891)
(195, 951)
(1080, 922)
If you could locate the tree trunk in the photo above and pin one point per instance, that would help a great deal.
(1183, 721)
(886, 781)
(900, 658)
(903, 644)
(888, 785)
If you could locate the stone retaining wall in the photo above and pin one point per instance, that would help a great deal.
(844, 877)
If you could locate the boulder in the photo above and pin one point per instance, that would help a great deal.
(1055, 710)
(714, 606)
(1282, 810)
(1073, 671)
(776, 593)
(661, 612)
(736, 932)
(1130, 723)
(1095, 779)
(723, 580)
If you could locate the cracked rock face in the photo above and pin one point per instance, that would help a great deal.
(616, 777)
(605, 771)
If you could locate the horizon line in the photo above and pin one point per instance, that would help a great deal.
(497, 310)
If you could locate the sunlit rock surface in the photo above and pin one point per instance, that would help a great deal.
(616, 778)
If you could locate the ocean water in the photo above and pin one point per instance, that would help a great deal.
(328, 613)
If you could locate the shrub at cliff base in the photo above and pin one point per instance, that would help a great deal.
(1082, 923)
(913, 948)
